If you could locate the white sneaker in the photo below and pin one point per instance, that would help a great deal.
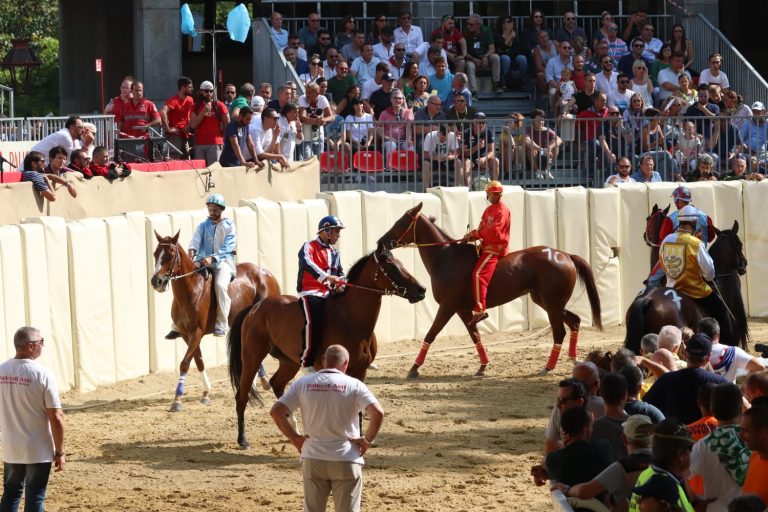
(538, 175)
(548, 175)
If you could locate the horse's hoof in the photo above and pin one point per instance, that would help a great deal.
(243, 445)
(373, 366)
(480, 373)
(206, 400)
(176, 407)
(412, 374)
(543, 371)
(265, 383)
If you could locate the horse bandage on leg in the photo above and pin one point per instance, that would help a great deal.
(553, 356)
(180, 385)
(482, 353)
(206, 381)
(572, 344)
(422, 353)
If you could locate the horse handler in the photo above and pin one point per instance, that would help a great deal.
(332, 449)
(493, 233)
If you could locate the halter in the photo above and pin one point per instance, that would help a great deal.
(171, 276)
(648, 229)
(412, 226)
(400, 291)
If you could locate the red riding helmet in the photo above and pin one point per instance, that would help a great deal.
(682, 193)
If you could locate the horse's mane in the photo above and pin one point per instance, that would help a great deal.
(357, 268)
(438, 228)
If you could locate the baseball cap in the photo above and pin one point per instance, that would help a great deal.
(638, 427)
(257, 102)
(388, 78)
(662, 487)
(699, 345)
(206, 86)
(479, 115)
(758, 105)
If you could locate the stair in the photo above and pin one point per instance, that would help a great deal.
(500, 105)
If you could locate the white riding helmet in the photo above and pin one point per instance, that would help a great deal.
(688, 214)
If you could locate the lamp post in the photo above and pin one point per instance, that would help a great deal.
(20, 58)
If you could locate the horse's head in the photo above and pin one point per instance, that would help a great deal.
(653, 225)
(166, 261)
(403, 231)
(392, 278)
(728, 252)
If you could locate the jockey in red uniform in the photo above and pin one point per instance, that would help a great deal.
(319, 272)
(493, 233)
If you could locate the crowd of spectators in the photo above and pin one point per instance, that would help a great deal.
(668, 424)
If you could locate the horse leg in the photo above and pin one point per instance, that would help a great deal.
(441, 318)
(573, 322)
(241, 399)
(556, 320)
(192, 347)
(474, 333)
(198, 357)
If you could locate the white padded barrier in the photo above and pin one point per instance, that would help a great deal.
(162, 352)
(755, 237)
(573, 238)
(270, 248)
(477, 205)
(60, 336)
(513, 316)
(294, 235)
(632, 249)
(129, 288)
(604, 208)
(12, 291)
(247, 234)
(541, 229)
(91, 303)
(316, 210)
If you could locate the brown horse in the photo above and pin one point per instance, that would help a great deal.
(652, 235)
(547, 274)
(194, 302)
(274, 325)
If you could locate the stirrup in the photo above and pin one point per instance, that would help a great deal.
(477, 318)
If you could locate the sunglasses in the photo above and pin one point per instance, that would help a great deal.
(314, 63)
(399, 49)
(638, 45)
(569, 19)
(614, 114)
(565, 47)
(612, 29)
(41, 341)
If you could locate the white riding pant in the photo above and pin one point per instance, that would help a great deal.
(221, 278)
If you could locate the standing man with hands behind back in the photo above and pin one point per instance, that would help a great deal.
(32, 424)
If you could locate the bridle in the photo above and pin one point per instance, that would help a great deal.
(400, 291)
(741, 260)
(171, 276)
(412, 227)
(647, 236)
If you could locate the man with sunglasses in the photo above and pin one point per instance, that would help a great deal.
(31, 421)
(481, 53)
(323, 44)
(209, 119)
(652, 44)
(454, 44)
(398, 61)
(308, 34)
(555, 68)
(637, 51)
(384, 49)
(569, 30)
(408, 34)
(622, 94)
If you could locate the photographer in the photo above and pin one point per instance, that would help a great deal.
(101, 166)
(209, 119)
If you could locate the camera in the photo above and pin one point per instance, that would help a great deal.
(762, 349)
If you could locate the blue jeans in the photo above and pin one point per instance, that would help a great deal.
(506, 63)
(29, 478)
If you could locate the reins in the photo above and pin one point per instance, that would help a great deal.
(412, 227)
(177, 261)
(400, 291)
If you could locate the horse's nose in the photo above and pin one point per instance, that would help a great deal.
(418, 295)
(155, 281)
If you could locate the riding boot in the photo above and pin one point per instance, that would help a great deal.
(173, 334)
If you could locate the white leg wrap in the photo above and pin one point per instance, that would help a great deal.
(206, 381)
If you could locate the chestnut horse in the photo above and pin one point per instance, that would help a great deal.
(273, 326)
(652, 235)
(194, 301)
(656, 307)
(547, 274)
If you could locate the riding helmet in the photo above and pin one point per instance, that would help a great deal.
(329, 221)
(682, 193)
(494, 186)
(218, 200)
(688, 214)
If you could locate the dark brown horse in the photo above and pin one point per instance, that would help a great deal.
(652, 235)
(654, 308)
(194, 301)
(547, 274)
(274, 325)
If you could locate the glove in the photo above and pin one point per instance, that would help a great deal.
(112, 174)
(125, 173)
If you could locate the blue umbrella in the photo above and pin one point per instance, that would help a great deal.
(187, 22)
(238, 23)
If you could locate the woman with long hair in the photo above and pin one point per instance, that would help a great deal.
(410, 74)
(534, 24)
(682, 44)
(601, 32)
(347, 32)
(509, 47)
(661, 63)
(736, 108)
(379, 22)
(640, 83)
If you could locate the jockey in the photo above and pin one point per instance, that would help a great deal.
(704, 229)
(689, 268)
(493, 233)
(213, 245)
(319, 272)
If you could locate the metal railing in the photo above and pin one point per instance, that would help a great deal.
(541, 153)
(269, 64)
(742, 76)
(37, 128)
(6, 101)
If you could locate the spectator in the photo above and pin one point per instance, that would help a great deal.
(716, 96)
(400, 63)
(747, 503)
(671, 81)
(382, 68)
(634, 25)
(461, 112)
(652, 44)
(581, 459)
(230, 92)
(662, 62)
(238, 130)
(458, 88)
(247, 91)
(671, 338)
(379, 24)
(607, 77)
(756, 385)
(713, 75)
(441, 80)
(381, 99)
(354, 49)
(330, 63)
(32, 171)
(347, 32)
(433, 52)
(115, 105)
(739, 171)
(479, 151)
(427, 119)
(265, 91)
(266, 139)
(418, 98)
(566, 92)
(736, 109)
(408, 34)
(405, 83)
(341, 82)
(68, 137)
(515, 145)
(31, 421)
(291, 131)
(613, 389)
(588, 128)
(175, 116)
(439, 154)
(688, 145)
(585, 97)
(78, 161)
(681, 403)
(703, 108)
(344, 106)
(294, 43)
(634, 377)
(209, 120)
(616, 46)
(578, 75)
(754, 132)
(359, 133)
(332, 448)
(395, 132)
(481, 53)
(721, 458)
(314, 113)
(101, 166)
(680, 43)
(569, 30)
(617, 480)
(284, 95)
(594, 64)
(637, 52)
(614, 138)
(646, 174)
(544, 51)
(138, 115)
(545, 146)
(754, 432)
(57, 157)
(685, 91)
(652, 136)
(554, 69)
(254, 129)
(315, 71)
(299, 65)
(727, 360)
(704, 170)
(533, 25)
(88, 138)
(623, 175)
(510, 50)
(454, 44)
(640, 82)
(601, 32)
(621, 95)
(364, 67)
(659, 493)
(308, 34)
(384, 46)
(276, 30)
(579, 48)
(700, 428)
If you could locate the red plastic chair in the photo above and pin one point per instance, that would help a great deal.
(404, 161)
(334, 161)
(368, 161)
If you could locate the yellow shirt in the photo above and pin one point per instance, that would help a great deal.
(687, 264)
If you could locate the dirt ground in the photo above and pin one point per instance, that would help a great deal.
(449, 441)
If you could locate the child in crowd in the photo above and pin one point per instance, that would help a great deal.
(567, 93)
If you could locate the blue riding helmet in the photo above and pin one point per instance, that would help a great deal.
(218, 200)
(329, 221)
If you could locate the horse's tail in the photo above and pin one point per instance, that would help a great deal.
(588, 279)
(635, 321)
(234, 345)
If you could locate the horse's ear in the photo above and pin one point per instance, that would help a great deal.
(655, 208)
(175, 238)
(159, 238)
(416, 209)
(735, 227)
(666, 210)
(717, 231)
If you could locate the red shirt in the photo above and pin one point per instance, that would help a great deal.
(588, 129)
(494, 229)
(179, 111)
(117, 106)
(450, 41)
(316, 262)
(209, 130)
(137, 114)
(578, 79)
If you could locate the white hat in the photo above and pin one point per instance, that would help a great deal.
(688, 214)
(758, 105)
(257, 102)
(206, 86)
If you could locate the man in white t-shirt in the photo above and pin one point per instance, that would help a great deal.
(668, 78)
(332, 448)
(725, 359)
(621, 95)
(290, 130)
(266, 139)
(439, 157)
(68, 138)
(364, 67)
(623, 173)
(31, 421)
(714, 75)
